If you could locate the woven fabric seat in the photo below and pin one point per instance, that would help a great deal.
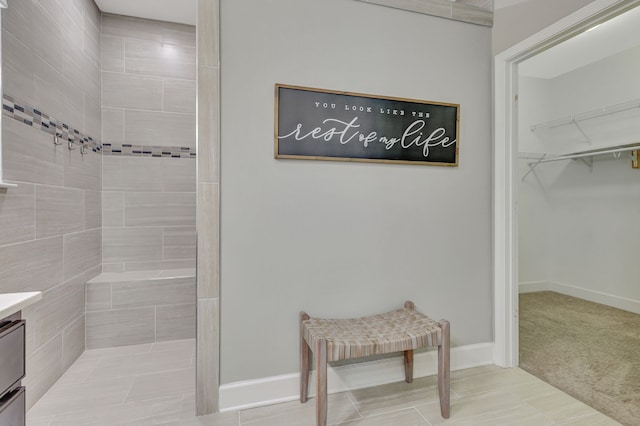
(402, 330)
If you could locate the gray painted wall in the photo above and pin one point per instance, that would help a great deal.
(340, 239)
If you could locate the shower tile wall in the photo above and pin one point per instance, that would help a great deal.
(50, 236)
(149, 171)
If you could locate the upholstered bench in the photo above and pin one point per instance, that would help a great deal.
(402, 330)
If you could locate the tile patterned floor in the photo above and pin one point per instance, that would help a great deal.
(153, 385)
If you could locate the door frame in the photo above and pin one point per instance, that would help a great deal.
(505, 176)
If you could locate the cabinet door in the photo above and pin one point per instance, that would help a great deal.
(12, 408)
(11, 355)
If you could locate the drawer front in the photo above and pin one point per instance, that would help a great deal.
(11, 355)
(13, 409)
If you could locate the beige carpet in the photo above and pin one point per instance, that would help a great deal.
(588, 350)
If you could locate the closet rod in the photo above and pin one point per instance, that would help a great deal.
(582, 154)
(588, 154)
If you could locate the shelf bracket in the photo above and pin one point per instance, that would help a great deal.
(532, 166)
(588, 161)
(575, 123)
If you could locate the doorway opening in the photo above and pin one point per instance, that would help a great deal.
(563, 181)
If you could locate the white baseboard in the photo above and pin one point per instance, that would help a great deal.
(276, 389)
(608, 299)
(603, 298)
(533, 286)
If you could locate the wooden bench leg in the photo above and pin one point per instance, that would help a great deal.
(304, 361)
(408, 366)
(408, 355)
(321, 382)
(444, 367)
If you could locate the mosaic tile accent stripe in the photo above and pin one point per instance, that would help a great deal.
(148, 151)
(35, 118)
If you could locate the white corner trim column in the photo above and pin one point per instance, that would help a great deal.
(504, 215)
(208, 208)
(505, 177)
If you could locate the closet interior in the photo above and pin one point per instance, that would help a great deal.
(579, 192)
(579, 215)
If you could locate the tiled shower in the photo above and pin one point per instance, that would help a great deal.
(99, 135)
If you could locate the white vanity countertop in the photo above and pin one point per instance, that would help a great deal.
(10, 303)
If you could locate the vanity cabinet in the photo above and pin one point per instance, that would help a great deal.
(12, 371)
(12, 411)
(13, 356)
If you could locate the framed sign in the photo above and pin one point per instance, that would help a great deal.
(317, 124)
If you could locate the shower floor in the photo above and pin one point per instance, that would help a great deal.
(127, 385)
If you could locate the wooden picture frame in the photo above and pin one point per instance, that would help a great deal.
(319, 124)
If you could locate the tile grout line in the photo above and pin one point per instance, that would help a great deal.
(350, 398)
(384, 413)
(150, 76)
(133, 382)
(420, 414)
(155, 324)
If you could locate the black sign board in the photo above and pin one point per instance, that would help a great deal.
(316, 124)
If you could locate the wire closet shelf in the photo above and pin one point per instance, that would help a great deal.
(586, 155)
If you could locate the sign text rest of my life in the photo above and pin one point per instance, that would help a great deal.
(346, 131)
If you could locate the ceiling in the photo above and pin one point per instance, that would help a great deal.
(611, 37)
(180, 11)
(500, 4)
